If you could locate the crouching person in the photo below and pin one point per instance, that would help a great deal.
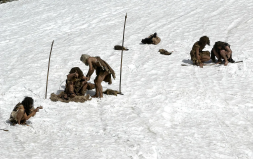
(222, 51)
(76, 83)
(198, 56)
(23, 111)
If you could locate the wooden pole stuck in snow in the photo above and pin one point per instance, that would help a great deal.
(48, 68)
(122, 55)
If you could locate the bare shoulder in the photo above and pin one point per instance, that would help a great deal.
(92, 59)
(21, 107)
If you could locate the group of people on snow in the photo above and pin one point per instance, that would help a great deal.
(77, 83)
(221, 50)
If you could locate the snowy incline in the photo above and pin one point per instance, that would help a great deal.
(167, 111)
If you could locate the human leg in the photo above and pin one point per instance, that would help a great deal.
(98, 80)
(19, 116)
(205, 56)
(69, 90)
(224, 56)
(217, 55)
(84, 87)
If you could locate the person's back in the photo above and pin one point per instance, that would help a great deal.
(103, 72)
(198, 56)
(23, 111)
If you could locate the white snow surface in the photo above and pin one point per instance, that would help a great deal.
(168, 111)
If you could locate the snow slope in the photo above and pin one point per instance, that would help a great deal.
(167, 111)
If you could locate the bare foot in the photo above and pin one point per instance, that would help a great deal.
(226, 63)
(72, 95)
(201, 65)
(65, 96)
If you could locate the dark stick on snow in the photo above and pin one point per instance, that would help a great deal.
(122, 55)
(48, 68)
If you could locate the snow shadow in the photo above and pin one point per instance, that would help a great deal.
(11, 124)
(59, 92)
(90, 92)
(188, 61)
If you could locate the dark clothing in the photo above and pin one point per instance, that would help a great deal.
(223, 46)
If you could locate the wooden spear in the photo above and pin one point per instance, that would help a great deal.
(122, 56)
(48, 68)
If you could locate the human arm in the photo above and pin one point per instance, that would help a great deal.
(33, 112)
(91, 68)
(72, 75)
(85, 78)
(22, 116)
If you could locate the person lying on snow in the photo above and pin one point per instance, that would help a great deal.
(222, 51)
(76, 83)
(23, 111)
(103, 72)
(198, 56)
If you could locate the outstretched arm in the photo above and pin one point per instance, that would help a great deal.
(32, 113)
(22, 116)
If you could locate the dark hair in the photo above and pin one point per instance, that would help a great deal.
(28, 104)
(218, 44)
(78, 70)
(204, 40)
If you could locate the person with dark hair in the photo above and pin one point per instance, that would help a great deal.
(23, 111)
(198, 56)
(222, 51)
(103, 72)
(76, 83)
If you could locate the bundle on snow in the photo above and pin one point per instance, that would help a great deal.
(152, 39)
(165, 52)
(111, 92)
(119, 47)
(59, 97)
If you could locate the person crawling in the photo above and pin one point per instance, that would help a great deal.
(23, 111)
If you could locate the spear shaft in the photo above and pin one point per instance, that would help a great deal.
(48, 68)
(122, 55)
